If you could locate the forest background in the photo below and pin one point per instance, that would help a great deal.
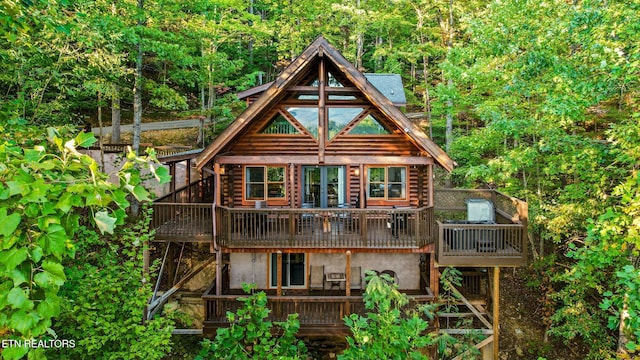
(540, 99)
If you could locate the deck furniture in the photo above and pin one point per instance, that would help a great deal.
(316, 278)
(356, 278)
(335, 280)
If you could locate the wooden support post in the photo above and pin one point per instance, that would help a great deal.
(292, 186)
(322, 119)
(496, 313)
(219, 272)
(430, 183)
(434, 275)
(218, 187)
(347, 273)
(187, 172)
(279, 273)
(172, 184)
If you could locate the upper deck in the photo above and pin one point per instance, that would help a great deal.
(425, 229)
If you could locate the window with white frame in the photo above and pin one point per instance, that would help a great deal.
(264, 183)
(387, 183)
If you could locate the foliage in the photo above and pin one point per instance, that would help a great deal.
(390, 330)
(108, 268)
(250, 335)
(449, 346)
(49, 192)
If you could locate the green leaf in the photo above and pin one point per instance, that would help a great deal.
(14, 257)
(105, 222)
(17, 298)
(140, 193)
(17, 187)
(24, 321)
(162, 175)
(14, 352)
(8, 224)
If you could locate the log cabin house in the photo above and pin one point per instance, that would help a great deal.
(322, 178)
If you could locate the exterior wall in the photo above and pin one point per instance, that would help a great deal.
(406, 266)
(244, 269)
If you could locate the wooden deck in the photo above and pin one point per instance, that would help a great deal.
(503, 243)
(318, 315)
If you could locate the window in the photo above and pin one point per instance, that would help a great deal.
(388, 183)
(339, 118)
(369, 126)
(307, 117)
(280, 126)
(264, 183)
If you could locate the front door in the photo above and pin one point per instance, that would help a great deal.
(324, 186)
(293, 270)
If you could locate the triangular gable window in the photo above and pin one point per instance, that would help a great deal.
(369, 126)
(307, 117)
(340, 117)
(280, 126)
(332, 81)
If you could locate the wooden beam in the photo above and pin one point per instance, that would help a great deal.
(279, 273)
(348, 273)
(478, 346)
(473, 309)
(328, 160)
(322, 119)
(496, 313)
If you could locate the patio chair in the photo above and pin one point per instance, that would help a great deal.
(356, 278)
(316, 278)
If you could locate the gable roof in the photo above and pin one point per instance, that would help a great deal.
(276, 90)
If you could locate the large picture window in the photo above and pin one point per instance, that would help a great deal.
(264, 183)
(387, 183)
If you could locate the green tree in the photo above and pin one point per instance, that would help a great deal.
(103, 299)
(391, 330)
(49, 191)
(250, 335)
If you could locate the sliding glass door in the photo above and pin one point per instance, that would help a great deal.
(293, 270)
(324, 186)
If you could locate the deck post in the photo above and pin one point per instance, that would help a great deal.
(188, 178)
(430, 183)
(279, 273)
(434, 275)
(218, 272)
(496, 312)
(347, 272)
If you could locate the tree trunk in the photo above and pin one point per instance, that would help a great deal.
(427, 97)
(115, 116)
(137, 87)
(137, 119)
(449, 118)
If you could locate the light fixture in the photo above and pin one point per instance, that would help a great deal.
(356, 172)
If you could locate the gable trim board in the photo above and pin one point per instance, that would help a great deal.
(289, 77)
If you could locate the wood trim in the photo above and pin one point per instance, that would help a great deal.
(329, 160)
(272, 202)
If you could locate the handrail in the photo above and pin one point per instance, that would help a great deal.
(325, 227)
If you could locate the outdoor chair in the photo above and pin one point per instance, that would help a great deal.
(316, 278)
(356, 278)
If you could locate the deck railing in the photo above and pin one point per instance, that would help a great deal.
(182, 222)
(325, 228)
(503, 243)
(323, 313)
(196, 192)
